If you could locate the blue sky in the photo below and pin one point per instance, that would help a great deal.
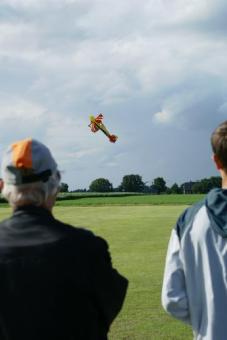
(156, 69)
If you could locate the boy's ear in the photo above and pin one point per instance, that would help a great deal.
(217, 162)
(1, 184)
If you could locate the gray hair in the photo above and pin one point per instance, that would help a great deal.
(35, 193)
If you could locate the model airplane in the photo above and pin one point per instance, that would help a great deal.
(96, 124)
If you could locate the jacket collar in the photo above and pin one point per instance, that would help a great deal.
(33, 210)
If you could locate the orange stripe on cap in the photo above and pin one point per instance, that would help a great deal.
(22, 154)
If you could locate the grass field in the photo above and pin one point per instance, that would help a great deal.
(113, 199)
(100, 199)
(138, 237)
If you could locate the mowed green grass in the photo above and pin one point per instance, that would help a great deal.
(138, 237)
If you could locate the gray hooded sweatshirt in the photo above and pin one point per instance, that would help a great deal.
(195, 278)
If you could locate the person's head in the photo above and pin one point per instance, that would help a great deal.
(219, 147)
(30, 175)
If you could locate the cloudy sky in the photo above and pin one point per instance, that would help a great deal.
(157, 69)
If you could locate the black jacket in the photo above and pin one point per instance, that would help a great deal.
(56, 281)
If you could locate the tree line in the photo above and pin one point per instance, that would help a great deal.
(135, 183)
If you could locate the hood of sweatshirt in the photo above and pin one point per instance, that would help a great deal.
(216, 204)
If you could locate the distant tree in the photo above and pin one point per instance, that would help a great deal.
(132, 183)
(146, 189)
(168, 191)
(206, 184)
(153, 189)
(197, 188)
(101, 185)
(64, 187)
(118, 189)
(216, 181)
(175, 189)
(160, 185)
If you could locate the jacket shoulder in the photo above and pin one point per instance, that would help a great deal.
(187, 217)
(72, 230)
(83, 235)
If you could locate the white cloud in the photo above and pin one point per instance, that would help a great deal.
(61, 60)
(71, 139)
(163, 117)
(28, 4)
(20, 109)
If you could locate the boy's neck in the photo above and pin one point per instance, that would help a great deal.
(224, 179)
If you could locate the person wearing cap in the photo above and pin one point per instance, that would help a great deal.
(195, 278)
(56, 281)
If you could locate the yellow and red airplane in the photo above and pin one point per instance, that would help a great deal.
(97, 124)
